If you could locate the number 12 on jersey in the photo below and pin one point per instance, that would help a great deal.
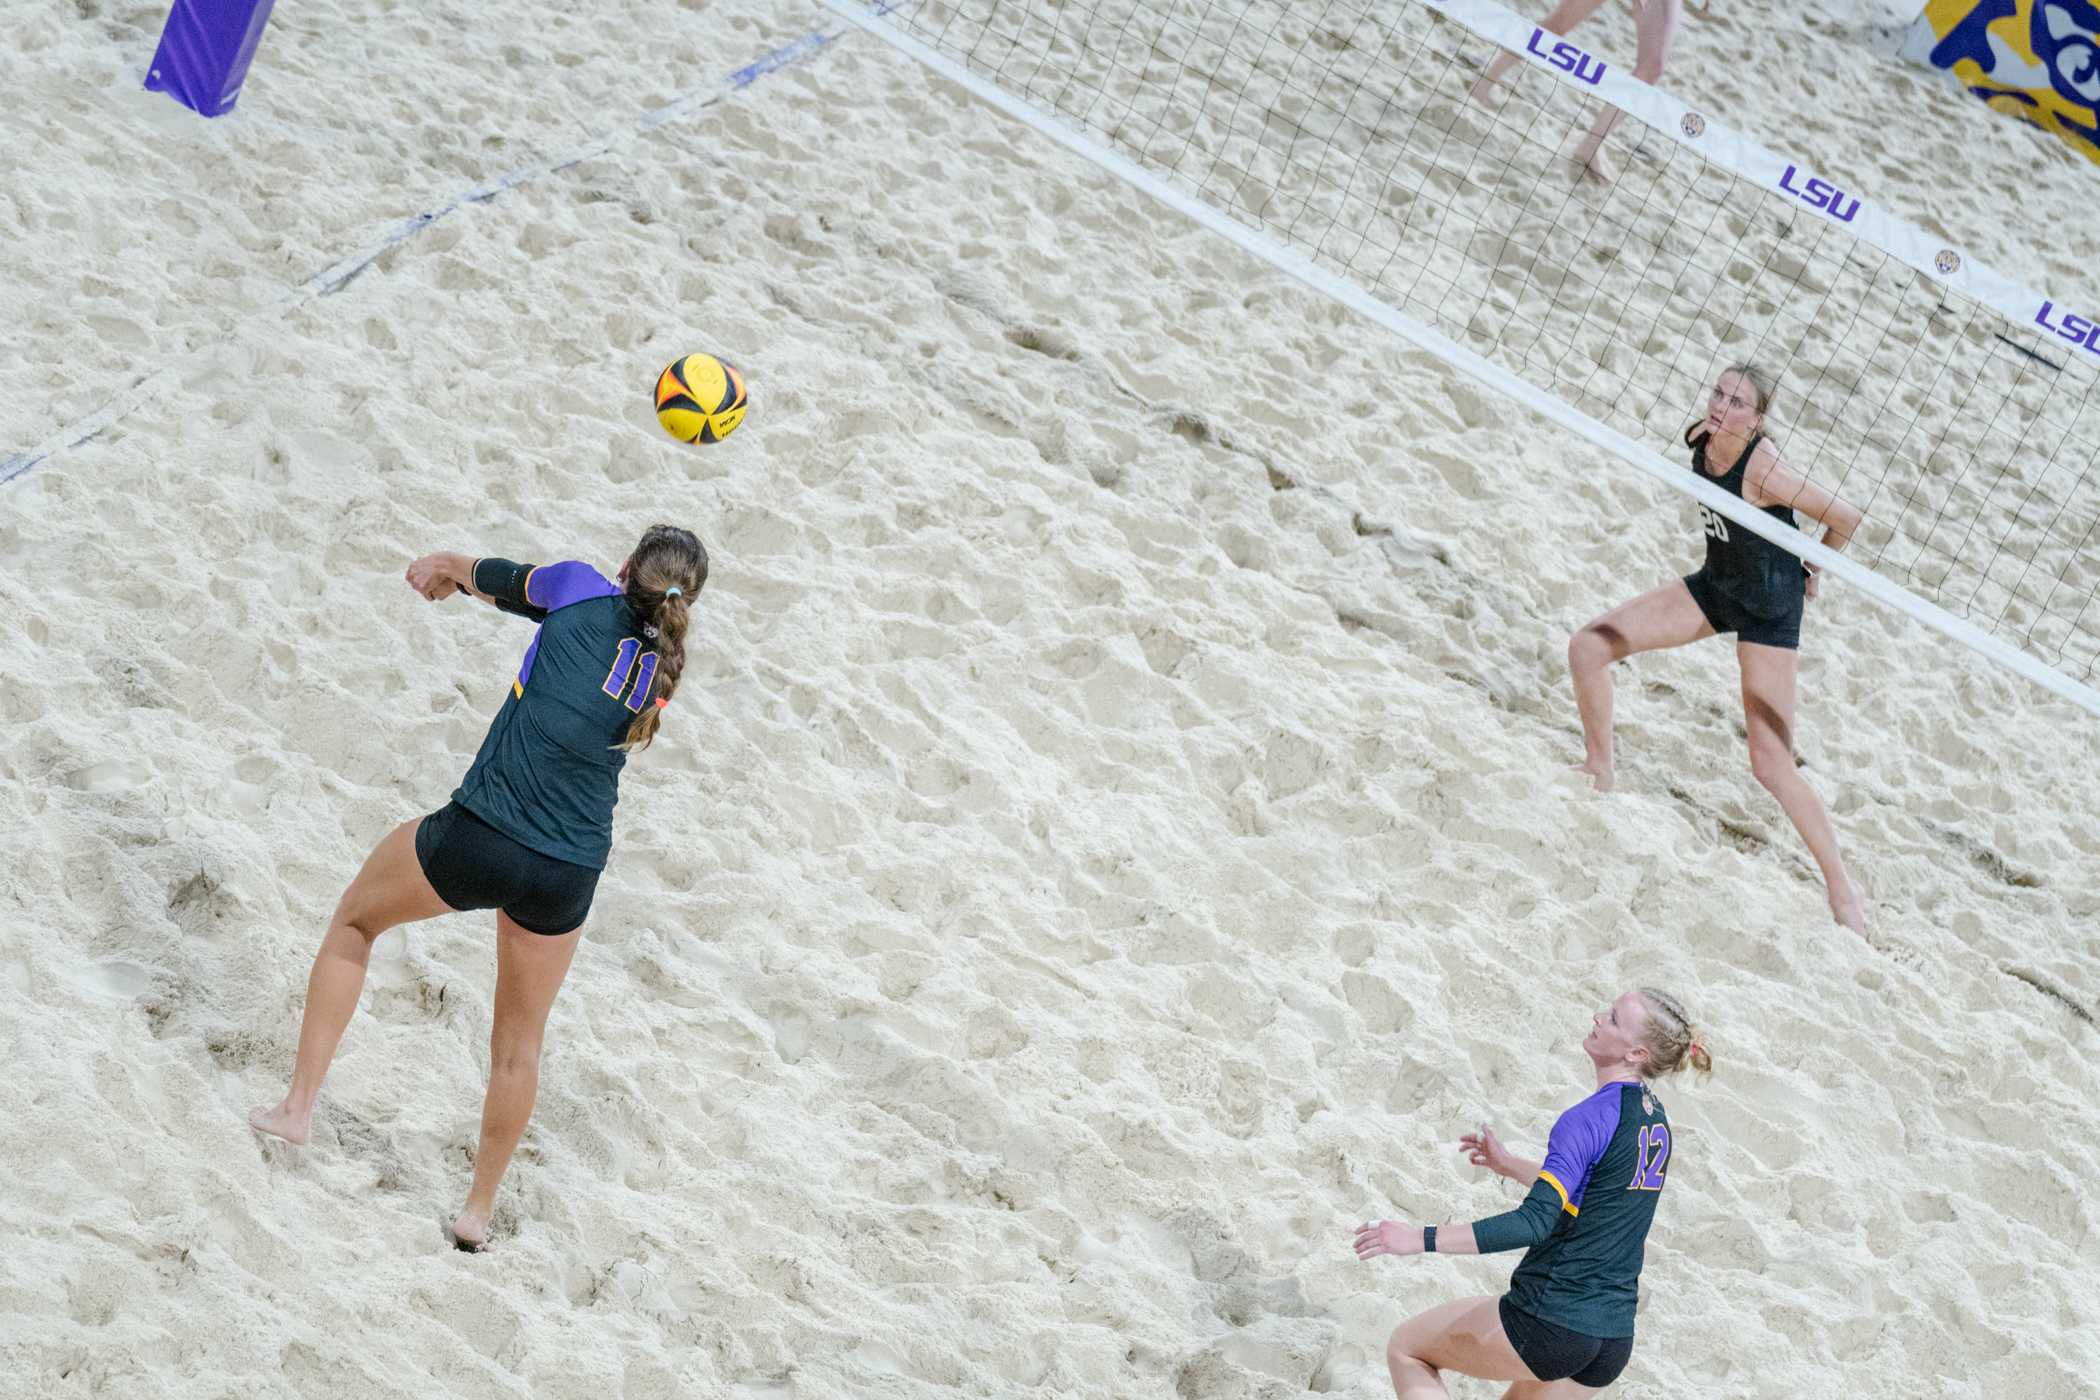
(1654, 1151)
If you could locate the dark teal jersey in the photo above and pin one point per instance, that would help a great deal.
(1586, 1219)
(548, 773)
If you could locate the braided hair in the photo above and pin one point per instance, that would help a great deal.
(667, 569)
(1672, 1043)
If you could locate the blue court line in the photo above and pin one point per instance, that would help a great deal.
(779, 58)
(334, 278)
(338, 275)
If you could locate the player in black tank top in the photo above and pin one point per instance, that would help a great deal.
(1568, 1315)
(527, 831)
(1749, 586)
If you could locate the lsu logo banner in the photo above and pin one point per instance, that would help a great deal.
(2034, 59)
(1819, 194)
(1567, 58)
(2077, 329)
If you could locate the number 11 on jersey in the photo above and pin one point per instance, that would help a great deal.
(623, 668)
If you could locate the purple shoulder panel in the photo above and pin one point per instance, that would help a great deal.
(1578, 1140)
(556, 586)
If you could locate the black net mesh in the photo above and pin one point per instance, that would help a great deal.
(1347, 130)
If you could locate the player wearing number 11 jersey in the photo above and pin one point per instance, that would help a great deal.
(527, 831)
(1565, 1327)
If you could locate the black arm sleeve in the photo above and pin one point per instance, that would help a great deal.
(1523, 1227)
(503, 583)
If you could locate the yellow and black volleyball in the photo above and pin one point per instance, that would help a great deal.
(700, 399)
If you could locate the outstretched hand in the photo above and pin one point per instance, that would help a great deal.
(1484, 1149)
(1376, 1237)
(429, 577)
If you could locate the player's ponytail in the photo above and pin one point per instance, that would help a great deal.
(664, 575)
(1672, 1043)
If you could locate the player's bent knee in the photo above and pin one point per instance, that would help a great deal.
(1409, 1340)
(354, 912)
(1592, 648)
(1771, 767)
(361, 909)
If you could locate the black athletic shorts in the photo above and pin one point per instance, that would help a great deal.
(1725, 614)
(472, 865)
(1554, 1353)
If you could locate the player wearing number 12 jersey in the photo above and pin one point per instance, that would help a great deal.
(530, 827)
(1565, 1327)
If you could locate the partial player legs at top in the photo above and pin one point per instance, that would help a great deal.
(1660, 618)
(390, 889)
(1655, 25)
(1655, 28)
(1565, 16)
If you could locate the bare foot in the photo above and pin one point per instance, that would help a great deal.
(1848, 905)
(280, 1121)
(1599, 774)
(468, 1232)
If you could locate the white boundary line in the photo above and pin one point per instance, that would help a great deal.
(1495, 377)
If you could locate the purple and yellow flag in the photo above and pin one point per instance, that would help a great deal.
(2034, 59)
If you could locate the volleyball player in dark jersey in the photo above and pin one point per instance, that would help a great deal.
(1565, 1327)
(1748, 586)
(529, 829)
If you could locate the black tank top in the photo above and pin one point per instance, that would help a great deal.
(1749, 568)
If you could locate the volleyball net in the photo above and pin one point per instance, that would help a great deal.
(1345, 142)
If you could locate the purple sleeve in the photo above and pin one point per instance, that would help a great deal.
(554, 586)
(1576, 1144)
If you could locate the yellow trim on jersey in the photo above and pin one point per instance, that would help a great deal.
(528, 584)
(517, 688)
(1553, 1181)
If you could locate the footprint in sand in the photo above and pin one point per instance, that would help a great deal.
(112, 775)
